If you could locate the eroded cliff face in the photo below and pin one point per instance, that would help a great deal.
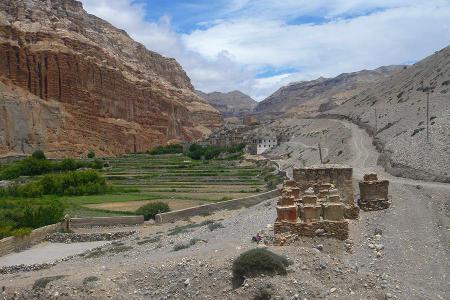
(106, 92)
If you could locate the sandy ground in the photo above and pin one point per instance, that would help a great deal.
(414, 263)
(47, 252)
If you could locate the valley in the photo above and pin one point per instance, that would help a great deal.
(122, 178)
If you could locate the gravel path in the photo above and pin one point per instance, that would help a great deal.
(46, 253)
(416, 229)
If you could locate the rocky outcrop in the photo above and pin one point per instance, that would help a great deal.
(322, 93)
(93, 86)
(232, 104)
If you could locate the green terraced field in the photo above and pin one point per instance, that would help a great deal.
(175, 179)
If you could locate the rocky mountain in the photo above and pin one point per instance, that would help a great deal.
(232, 104)
(395, 111)
(322, 93)
(71, 82)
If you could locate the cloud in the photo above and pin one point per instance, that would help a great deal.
(247, 38)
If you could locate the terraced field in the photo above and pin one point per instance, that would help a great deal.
(175, 179)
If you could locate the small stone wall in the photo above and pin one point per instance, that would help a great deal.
(14, 244)
(68, 238)
(338, 175)
(106, 221)
(210, 208)
(334, 229)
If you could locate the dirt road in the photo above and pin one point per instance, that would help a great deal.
(415, 229)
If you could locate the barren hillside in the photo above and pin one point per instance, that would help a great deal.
(322, 93)
(109, 93)
(400, 104)
(232, 104)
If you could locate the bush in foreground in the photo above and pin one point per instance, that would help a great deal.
(255, 262)
(149, 211)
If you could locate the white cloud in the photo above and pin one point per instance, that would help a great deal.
(254, 35)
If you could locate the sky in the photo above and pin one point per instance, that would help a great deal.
(257, 46)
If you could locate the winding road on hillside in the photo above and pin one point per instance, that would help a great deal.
(365, 158)
(416, 229)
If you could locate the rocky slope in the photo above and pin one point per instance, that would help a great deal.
(322, 93)
(232, 104)
(78, 83)
(400, 124)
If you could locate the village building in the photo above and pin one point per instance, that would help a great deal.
(261, 143)
(228, 136)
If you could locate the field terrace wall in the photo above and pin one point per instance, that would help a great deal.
(338, 175)
(106, 221)
(210, 208)
(12, 244)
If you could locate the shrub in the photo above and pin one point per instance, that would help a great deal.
(71, 183)
(198, 152)
(89, 279)
(214, 226)
(194, 241)
(168, 149)
(41, 283)
(38, 154)
(149, 211)
(255, 262)
(91, 154)
(38, 166)
(263, 294)
(20, 232)
(179, 247)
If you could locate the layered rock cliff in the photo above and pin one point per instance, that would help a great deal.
(72, 82)
(232, 104)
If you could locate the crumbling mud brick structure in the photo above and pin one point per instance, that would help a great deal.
(374, 193)
(338, 175)
(310, 213)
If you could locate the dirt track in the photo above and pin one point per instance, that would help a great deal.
(415, 229)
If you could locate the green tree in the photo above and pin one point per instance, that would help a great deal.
(39, 154)
(91, 154)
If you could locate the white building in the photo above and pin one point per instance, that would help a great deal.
(262, 143)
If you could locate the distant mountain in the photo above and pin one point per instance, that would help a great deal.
(232, 104)
(322, 93)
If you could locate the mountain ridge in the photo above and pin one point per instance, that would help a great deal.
(307, 96)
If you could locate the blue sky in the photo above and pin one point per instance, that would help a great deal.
(257, 46)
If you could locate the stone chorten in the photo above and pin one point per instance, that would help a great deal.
(374, 193)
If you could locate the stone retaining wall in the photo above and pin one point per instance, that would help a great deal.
(106, 221)
(11, 244)
(209, 208)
